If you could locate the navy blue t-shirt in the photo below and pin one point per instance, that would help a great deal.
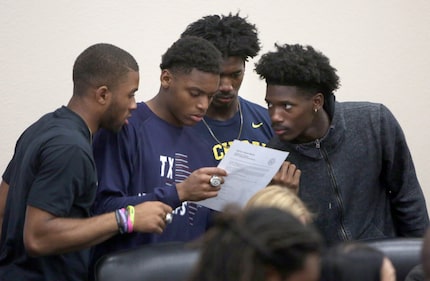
(143, 163)
(52, 169)
(256, 129)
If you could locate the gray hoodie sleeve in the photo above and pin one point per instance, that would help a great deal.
(408, 205)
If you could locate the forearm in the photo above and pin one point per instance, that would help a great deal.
(106, 202)
(55, 235)
(407, 199)
(410, 212)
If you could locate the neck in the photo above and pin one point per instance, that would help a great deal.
(223, 113)
(240, 126)
(154, 105)
(319, 128)
(158, 106)
(82, 108)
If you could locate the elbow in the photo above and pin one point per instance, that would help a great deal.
(34, 246)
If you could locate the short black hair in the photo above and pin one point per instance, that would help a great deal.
(297, 65)
(192, 52)
(233, 35)
(101, 64)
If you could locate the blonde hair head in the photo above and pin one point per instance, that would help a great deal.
(282, 198)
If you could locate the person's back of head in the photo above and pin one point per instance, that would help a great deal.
(354, 261)
(101, 64)
(300, 66)
(257, 243)
(283, 198)
(190, 53)
(232, 34)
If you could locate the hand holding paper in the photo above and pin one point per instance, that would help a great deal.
(249, 168)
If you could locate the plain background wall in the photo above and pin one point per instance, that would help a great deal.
(381, 50)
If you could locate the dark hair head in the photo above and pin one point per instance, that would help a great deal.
(351, 261)
(242, 246)
(192, 52)
(101, 64)
(297, 65)
(231, 34)
(303, 67)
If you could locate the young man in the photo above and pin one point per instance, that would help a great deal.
(50, 183)
(357, 172)
(157, 156)
(229, 116)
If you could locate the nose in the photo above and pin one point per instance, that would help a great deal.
(225, 85)
(203, 103)
(133, 104)
(275, 113)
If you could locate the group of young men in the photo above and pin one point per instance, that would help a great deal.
(104, 173)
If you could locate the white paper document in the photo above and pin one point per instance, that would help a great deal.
(249, 169)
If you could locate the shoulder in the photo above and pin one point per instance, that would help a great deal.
(60, 132)
(362, 109)
(365, 115)
(140, 115)
(252, 106)
(358, 105)
(66, 153)
(128, 131)
(252, 109)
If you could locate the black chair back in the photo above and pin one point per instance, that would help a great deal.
(405, 253)
(171, 261)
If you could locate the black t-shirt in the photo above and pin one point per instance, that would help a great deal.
(52, 169)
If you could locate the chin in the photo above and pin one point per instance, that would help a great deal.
(189, 124)
(115, 128)
(286, 138)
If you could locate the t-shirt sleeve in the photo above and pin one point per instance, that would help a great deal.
(11, 166)
(64, 170)
(115, 156)
(7, 173)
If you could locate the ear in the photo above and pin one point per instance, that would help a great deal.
(318, 101)
(166, 78)
(103, 95)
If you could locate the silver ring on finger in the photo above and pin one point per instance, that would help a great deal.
(215, 181)
(169, 218)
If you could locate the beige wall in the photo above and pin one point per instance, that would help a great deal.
(380, 48)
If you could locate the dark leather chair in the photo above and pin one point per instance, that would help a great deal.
(405, 253)
(175, 261)
(171, 261)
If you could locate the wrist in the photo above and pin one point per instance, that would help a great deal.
(181, 192)
(125, 219)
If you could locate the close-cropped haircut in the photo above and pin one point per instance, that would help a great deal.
(233, 35)
(101, 64)
(190, 53)
(352, 261)
(242, 245)
(297, 65)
